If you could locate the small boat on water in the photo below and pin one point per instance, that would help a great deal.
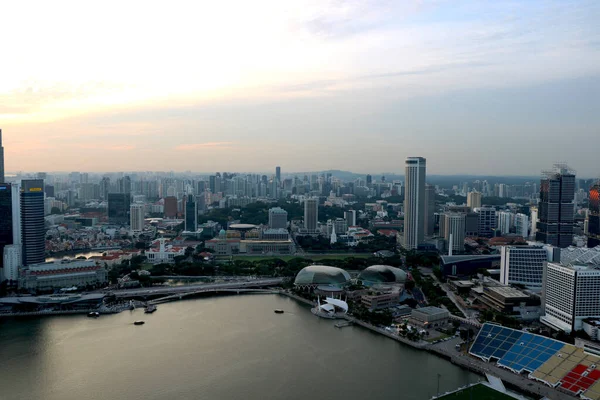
(278, 311)
(139, 322)
(150, 309)
(94, 314)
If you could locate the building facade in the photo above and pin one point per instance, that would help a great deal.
(523, 265)
(137, 213)
(311, 214)
(556, 208)
(474, 200)
(62, 274)
(487, 221)
(522, 225)
(118, 208)
(191, 214)
(350, 216)
(570, 294)
(505, 219)
(278, 218)
(429, 218)
(454, 231)
(414, 202)
(2, 176)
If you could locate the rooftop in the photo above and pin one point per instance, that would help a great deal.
(431, 310)
(506, 291)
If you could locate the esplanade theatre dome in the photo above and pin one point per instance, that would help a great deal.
(315, 275)
(382, 274)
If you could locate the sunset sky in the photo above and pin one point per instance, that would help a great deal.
(480, 87)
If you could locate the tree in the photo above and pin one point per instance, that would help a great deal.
(55, 210)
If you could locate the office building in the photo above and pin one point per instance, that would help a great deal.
(33, 231)
(278, 218)
(556, 208)
(118, 208)
(191, 214)
(311, 214)
(474, 200)
(454, 231)
(414, 202)
(137, 213)
(10, 231)
(472, 224)
(505, 222)
(278, 174)
(570, 294)
(487, 221)
(524, 265)
(522, 225)
(350, 217)
(170, 207)
(2, 173)
(593, 220)
(429, 217)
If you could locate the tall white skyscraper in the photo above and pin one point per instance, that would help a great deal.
(311, 214)
(505, 222)
(414, 202)
(534, 220)
(137, 213)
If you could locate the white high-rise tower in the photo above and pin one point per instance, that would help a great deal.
(414, 202)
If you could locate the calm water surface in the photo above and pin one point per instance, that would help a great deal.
(214, 348)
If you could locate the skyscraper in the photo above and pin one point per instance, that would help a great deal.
(505, 222)
(191, 214)
(557, 191)
(522, 225)
(350, 216)
(32, 221)
(118, 208)
(414, 202)
(278, 174)
(137, 214)
(429, 218)
(10, 232)
(311, 214)
(474, 200)
(594, 217)
(170, 207)
(2, 177)
(523, 265)
(487, 221)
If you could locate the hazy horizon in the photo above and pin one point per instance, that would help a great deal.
(500, 88)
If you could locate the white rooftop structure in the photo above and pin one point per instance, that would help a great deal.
(580, 255)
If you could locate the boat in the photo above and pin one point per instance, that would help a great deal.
(150, 309)
(278, 311)
(94, 314)
(139, 322)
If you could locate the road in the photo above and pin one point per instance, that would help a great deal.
(154, 291)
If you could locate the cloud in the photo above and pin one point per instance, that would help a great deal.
(198, 146)
(123, 147)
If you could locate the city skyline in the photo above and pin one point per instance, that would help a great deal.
(354, 85)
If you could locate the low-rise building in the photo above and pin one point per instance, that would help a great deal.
(267, 246)
(429, 317)
(380, 301)
(62, 274)
(164, 253)
(503, 298)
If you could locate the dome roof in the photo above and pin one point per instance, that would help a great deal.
(382, 274)
(322, 275)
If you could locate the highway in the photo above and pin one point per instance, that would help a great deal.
(168, 290)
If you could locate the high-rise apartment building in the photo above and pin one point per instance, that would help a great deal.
(278, 218)
(454, 231)
(311, 214)
(570, 294)
(523, 265)
(556, 209)
(505, 219)
(118, 208)
(474, 200)
(522, 225)
(534, 219)
(487, 221)
(429, 218)
(2, 176)
(10, 223)
(414, 202)
(137, 212)
(33, 231)
(593, 222)
(350, 217)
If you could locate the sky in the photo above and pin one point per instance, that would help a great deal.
(478, 87)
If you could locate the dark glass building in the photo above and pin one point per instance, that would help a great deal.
(33, 230)
(6, 229)
(191, 214)
(556, 210)
(118, 208)
(594, 217)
